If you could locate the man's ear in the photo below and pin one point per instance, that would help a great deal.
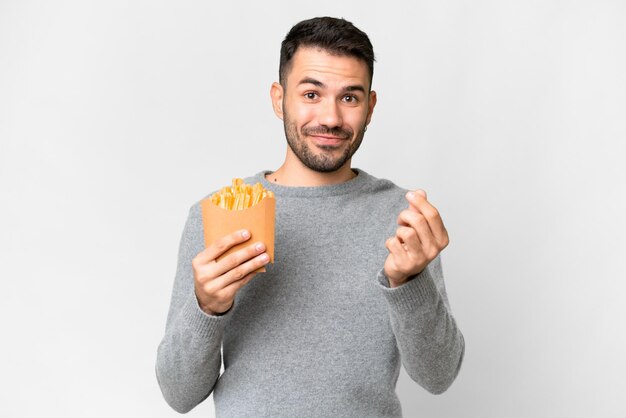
(276, 93)
(370, 106)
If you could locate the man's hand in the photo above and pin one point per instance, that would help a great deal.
(419, 239)
(217, 282)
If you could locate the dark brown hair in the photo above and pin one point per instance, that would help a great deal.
(336, 36)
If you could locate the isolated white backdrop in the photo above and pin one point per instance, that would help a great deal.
(116, 116)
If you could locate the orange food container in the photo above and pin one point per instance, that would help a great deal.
(258, 219)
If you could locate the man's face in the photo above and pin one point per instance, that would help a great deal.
(326, 105)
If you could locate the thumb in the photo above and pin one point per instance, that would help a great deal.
(421, 192)
(410, 196)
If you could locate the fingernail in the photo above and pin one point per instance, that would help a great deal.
(265, 257)
(259, 247)
(410, 195)
(245, 233)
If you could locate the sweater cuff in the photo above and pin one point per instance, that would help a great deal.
(418, 292)
(201, 323)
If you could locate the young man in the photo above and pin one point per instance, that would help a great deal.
(356, 288)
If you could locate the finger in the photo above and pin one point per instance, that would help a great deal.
(399, 260)
(410, 195)
(418, 202)
(221, 245)
(242, 271)
(234, 260)
(234, 287)
(409, 238)
(429, 247)
(395, 248)
(418, 222)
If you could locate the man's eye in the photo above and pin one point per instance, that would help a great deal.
(350, 99)
(310, 96)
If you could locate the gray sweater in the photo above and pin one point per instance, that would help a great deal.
(320, 334)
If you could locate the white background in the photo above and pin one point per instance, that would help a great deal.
(116, 116)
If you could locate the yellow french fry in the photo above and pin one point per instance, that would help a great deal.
(239, 196)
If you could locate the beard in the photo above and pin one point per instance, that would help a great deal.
(325, 161)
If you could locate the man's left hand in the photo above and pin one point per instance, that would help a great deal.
(419, 238)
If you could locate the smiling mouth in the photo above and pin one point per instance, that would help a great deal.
(324, 140)
(327, 136)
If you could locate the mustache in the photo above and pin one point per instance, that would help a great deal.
(322, 130)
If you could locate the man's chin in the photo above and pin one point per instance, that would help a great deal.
(325, 170)
(329, 147)
(327, 165)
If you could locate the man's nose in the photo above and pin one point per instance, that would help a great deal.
(330, 114)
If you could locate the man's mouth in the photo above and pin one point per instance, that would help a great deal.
(327, 137)
(327, 140)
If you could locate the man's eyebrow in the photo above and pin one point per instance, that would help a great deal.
(313, 81)
(317, 83)
(356, 88)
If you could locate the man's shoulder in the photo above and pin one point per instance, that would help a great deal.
(380, 185)
(383, 191)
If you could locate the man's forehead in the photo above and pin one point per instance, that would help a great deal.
(319, 64)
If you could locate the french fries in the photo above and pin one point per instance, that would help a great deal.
(240, 196)
(238, 207)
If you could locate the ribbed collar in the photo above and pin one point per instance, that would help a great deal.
(349, 186)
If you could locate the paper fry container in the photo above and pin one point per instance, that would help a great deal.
(258, 219)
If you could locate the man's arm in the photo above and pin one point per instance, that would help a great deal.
(189, 357)
(430, 343)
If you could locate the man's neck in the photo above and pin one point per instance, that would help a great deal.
(302, 176)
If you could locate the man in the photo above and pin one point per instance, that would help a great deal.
(356, 288)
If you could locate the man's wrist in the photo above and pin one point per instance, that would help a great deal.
(205, 309)
(403, 280)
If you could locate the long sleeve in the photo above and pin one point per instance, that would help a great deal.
(188, 357)
(430, 343)
(316, 334)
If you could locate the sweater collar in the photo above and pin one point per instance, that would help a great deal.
(349, 186)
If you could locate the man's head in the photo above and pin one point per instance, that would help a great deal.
(324, 96)
(335, 36)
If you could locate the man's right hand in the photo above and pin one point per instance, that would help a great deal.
(217, 282)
